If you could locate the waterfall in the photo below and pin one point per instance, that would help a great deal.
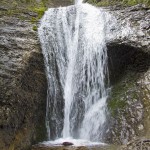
(78, 1)
(73, 41)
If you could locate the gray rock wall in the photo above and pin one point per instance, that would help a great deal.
(23, 85)
(129, 66)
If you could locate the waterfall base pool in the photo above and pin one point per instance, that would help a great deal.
(75, 142)
(79, 144)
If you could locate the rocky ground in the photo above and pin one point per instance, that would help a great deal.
(42, 147)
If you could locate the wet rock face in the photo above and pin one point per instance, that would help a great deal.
(138, 18)
(129, 67)
(137, 144)
(22, 83)
(123, 58)
(72, 147)
(128, 105)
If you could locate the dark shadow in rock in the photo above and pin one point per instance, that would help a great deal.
(122, 58)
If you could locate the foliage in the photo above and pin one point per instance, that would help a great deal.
(21, 9)
(40, 10)
(34, 28)
(29, 10)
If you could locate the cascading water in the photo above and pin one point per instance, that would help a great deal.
(73, 41)
(78, 1)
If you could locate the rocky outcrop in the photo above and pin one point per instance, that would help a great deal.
(137, 144)
(23, 85)
(138, 20)
(129, 65)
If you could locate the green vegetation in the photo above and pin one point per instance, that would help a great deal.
(39, 10)
(119, 92)
(29, 10)
(18, 7)
(118, 2)
(34, 28)
(116, 102)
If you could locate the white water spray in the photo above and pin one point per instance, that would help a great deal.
(78, 1)
(73, 41)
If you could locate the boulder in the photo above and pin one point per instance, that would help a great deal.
(67, 144)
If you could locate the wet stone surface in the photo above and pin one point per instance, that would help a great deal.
(58, 147)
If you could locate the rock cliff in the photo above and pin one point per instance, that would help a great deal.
(23, 81)
(23, 85)
(129, 65)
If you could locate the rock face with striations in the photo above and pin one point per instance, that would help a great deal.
(138, 19)
(129, 66)
(23, 85)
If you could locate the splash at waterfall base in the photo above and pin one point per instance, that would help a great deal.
(77, 145)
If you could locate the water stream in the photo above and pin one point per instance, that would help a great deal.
(73, 41)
